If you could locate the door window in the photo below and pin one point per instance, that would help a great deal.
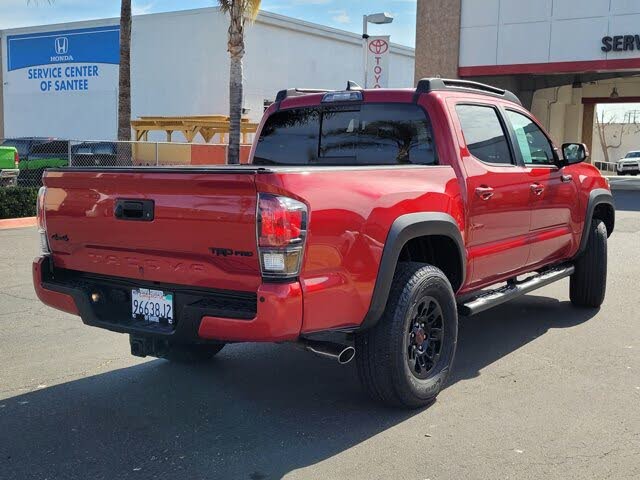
(484, 134)
(533, 143)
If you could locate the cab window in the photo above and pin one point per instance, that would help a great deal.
(533, 143)
(483, 133)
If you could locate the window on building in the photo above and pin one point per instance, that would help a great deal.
(483, 133)
(533, 143)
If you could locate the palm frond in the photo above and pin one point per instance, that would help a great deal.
(250, 8)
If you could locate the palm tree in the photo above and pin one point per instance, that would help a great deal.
(124, 80)
(239, 11)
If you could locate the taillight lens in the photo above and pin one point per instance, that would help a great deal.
(16, 159)
(282, 230)
(42, 224)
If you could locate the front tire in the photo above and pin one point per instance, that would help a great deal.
(405, 359)
(588, 283)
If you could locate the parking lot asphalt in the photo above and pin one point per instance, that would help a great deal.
(539, 390)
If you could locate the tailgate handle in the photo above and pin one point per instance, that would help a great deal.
(141, 210)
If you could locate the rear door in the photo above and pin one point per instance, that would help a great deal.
(553, 192)
(497, 194)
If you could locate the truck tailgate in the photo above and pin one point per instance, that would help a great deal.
(203, 231)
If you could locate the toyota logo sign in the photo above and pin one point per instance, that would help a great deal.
(378, 46)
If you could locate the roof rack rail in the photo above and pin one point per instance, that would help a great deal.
(427, 85)
(297, 92)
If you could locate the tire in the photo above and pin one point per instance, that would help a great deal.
(588, 283)
(196, 353)
(385, 365)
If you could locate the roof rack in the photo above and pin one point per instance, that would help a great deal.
(427, 85)
(297, 92)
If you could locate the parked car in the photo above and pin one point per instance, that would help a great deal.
(9, 160)
(36, 154)
(365, 223)
(630, 164)
(42, 155)
(90, 154)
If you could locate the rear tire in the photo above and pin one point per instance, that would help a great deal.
(405, 359)
(588, 283)
(195, 353)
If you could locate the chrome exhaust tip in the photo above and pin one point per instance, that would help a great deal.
(343, 354)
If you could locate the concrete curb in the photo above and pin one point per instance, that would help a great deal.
(8, 223)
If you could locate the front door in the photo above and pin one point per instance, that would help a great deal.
(553, 193)
(497, 195)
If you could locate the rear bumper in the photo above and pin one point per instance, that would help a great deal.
(273, 314)
(9, 173)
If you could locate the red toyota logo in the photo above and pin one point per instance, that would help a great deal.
(378, 46)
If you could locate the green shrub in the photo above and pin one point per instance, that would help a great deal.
(16, 202)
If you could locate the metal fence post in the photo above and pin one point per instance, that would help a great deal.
(69, 152)
(157, 158)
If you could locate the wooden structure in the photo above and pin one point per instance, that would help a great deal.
(208, 126)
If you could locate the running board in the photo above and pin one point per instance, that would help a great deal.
(491, 298)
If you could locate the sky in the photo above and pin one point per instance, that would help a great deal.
(342, 14)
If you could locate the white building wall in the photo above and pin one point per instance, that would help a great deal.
(180, 66)
(513, 32)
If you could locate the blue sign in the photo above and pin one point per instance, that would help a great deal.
(85, 45)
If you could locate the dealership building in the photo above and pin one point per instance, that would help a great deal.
(62, 80)
(561, 57)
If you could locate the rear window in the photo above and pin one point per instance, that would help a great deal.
(370, 134)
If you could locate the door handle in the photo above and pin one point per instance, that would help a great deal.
(484, 192)
(566, 178)
(537, 189)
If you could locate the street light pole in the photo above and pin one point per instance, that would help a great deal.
(365, 36)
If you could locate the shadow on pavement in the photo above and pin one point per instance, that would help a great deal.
(256, 412)
(628, 200)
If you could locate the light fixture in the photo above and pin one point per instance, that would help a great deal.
(614, 93)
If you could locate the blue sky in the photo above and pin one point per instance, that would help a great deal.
(341, 14)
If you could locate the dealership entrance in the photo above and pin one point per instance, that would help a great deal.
(560, 60)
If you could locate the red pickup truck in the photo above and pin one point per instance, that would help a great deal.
(365, 223)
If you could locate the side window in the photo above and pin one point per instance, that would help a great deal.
(483, 133)
(534, 145)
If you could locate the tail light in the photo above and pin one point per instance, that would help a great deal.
(42, 223)
(16, 159)
(282, 231)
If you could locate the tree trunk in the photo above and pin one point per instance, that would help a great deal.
(236, 52)
(602, 136)
(124, 81)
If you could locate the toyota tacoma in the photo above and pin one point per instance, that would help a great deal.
(366, 222)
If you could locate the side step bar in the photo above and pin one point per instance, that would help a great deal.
(491, 298)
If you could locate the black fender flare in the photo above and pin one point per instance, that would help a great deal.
(597, 196)
(403, 229)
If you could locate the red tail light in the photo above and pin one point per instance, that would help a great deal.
(16, 159)
(42, 223)
(282, 228)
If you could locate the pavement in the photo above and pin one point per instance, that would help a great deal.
(539, 390)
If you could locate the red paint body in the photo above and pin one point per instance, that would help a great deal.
(351, 211)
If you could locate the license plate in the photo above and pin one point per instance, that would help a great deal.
(152, 305)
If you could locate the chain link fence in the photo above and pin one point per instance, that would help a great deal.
(24, 160)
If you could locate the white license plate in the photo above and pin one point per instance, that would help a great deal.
(152, 305)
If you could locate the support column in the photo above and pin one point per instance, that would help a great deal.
(587, 125)
(437, 38)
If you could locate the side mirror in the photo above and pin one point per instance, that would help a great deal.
(574, 153)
